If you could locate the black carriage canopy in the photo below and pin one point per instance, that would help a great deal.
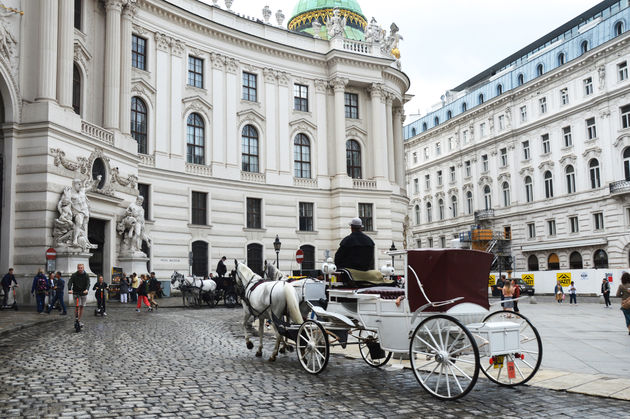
(447, 274)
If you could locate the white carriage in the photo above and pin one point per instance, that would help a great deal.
(441, 319)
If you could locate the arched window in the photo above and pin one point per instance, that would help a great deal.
(309, 257)
(499, 89)
(255, 258)
(353, 159)
(436, 121)
(481, 98)
(302, 156)
(618, 28)
(520, 80)
(464, 107)
(200, 258)
(553, 262)
(584, 47)
(249, 149)
(506, 194)
(561, 59)
(441, 209)
(626, 163)
(139, 123)
(195, 147)
(76, 89)
(593, 167)
(487, 197)
(575, 261)
(454, 206)
(529, 189)
(449, 115)
(540, 70)
(600, 259)
(416, 210)
(469, 203)
(413, 132)
(570, 175)
(532, 263)
(429, 213)
(548, 184)
(424, 126)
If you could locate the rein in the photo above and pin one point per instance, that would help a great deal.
(247, 292)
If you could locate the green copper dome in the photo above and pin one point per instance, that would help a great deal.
(307, 11)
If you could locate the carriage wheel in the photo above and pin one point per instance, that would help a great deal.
(526, 361)
(444, 357)
(210, 299)
(313, 349)
(367, 339)
(230, 300)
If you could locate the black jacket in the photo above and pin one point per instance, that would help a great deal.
(7, 280)
(100, 286)
(143, 288)
(221, 269)
(356, 251)
(79, 283)
(154, 285)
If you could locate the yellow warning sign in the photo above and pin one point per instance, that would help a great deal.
(491, 280)
(564, 278)
(528, 279)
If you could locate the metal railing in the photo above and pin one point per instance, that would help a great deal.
(486, 214)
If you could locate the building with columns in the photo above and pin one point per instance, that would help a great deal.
(234, 129)
(530, 159)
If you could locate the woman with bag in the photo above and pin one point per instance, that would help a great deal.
(559, 292)
(624, 292)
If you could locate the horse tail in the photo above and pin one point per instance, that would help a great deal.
(293, 307)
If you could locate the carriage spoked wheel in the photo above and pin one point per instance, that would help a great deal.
(313, 348)
(525, 363)
(370, 349)
(230, 300)
(444, 357)
(210, 298)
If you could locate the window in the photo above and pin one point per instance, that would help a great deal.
(439, 178)
(566, 135)
(200, 258)
(199, 208)
(591, 129)
(454, 206)
(561, 59)
(451, 144)
(427, 182)
(600, 259)
(430, 242)
(438, 148)
(618, 28)
(526, 154)
(441, 209)
(482, 129)
(625, 116)
(195, 72)
(575, 261)
(138, 52)
(436, 121)
(540, 70)
(543, 105)
(506, 194)
(598, 220)
(351, 101)
(426, 153)
(523, 113)
(546, 146)
(249, 87)
(531, 230)
(424, 126)
(413, 132)
(499, 89)
(469, 203)
(484, 162)
(353, 159)
(551, 228)
(77, 13)
(529, 189)
(449, 115)
(416, 186)
(504, 157)
(481, 98)
(467, 168)
(532, 263)
(139, 123)
(249, 149)
(302, 156)
(415, 157)
(501, 122)
(195, 149)
(300, 100)
(416, 211)
(548, 184)
(76, 89)
(584, 47)
(254, 213)
(451, 171)
(144, 191)
(622, 71)
(626, 163)
(593, 167)
(574, 225)
(365, 214)
(465, 136)
(306, 216)
(487, 197)
(255, 258)
(429, 213)
(464, 107)
(520, 80)
(588, 86)
(570, 176)
(553, 262)
(564, 96)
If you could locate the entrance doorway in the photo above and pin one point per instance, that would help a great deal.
(96, 236)
(200, 258)
(255, 258)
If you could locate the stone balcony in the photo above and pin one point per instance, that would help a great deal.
(364, 184)
(253, 177)
(620, 187)
(482, 215)
(97, 133)
(198, 169)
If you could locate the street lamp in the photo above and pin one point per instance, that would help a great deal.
(276, 247)
(392, 249)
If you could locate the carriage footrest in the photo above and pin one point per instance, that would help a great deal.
(376, 352)
(387, 293)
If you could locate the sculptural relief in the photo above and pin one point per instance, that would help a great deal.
(374, 33)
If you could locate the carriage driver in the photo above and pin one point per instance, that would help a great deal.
(356, 251)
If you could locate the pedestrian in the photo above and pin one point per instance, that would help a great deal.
(40, 289)
(100, 287)
(221, 268)
(499, 286)
(143, 291)
(572, 294)
(59, 287)
(134, 287)
(154, 287)
(606, 292)
(559, 292)
(624, 292)
(124, 289)
(51, 288)
(7, 280)
(507, 291)
(517, 294)
(78, 286)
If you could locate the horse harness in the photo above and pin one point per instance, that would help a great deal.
(246, 292)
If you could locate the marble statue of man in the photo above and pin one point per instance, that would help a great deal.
(132, 227)
(71, 228)
(336, 25)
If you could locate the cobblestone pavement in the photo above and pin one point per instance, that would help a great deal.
(194, 363)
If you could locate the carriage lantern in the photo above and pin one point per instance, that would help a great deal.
(276, 247)
(392, 249)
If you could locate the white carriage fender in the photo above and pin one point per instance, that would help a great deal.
(321, 312)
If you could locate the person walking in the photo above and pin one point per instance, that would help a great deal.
(124, 289)
(100, 287)
(7, 280)
(517, 294)
(40, 289)
(78, 285)
(154, 287)
(134, 287)
(51, 288)
(508, 294)
(59, 286)
(572, 294)
(606, 292)
(624, 292)
(559, 292)
(143, 291)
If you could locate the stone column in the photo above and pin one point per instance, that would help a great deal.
(218, 112)
(399, 151)
(162, 96)
(339, 86)
(271, 110)
(47, 43)
(65, 54)
(323, 168)
(378, 130)
(178, 147)
(233, 138)
(284, 143)
(391, 155)
(125, 69)
(111, 94)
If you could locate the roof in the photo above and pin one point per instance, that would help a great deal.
(304, 6)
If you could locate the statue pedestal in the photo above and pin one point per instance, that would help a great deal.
(67, 261)
(133, 263)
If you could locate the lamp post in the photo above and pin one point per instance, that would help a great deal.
(392, 249)
(276, 247)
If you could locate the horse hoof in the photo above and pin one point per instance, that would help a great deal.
(250, 345)
(282, 350)
(258, 354)
(272, 359)
(290, 348)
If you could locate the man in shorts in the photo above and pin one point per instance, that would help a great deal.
(78, 285)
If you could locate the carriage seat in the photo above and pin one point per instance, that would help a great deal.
(386, 293)
(353, 278)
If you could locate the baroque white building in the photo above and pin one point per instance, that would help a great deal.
(234, 129)
(531, 158)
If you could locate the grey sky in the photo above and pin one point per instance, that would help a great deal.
(448, 41)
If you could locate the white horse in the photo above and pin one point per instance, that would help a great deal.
(188, 283)
(273, 273)
(265, 300)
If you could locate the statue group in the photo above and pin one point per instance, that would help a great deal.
(131, 228)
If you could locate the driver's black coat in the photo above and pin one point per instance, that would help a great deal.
(356, 251)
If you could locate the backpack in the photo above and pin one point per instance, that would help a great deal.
(42, 284)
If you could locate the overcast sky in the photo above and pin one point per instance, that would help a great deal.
(446, 42)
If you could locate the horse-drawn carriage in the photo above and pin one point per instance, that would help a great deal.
(440, 319)
(198, 291)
